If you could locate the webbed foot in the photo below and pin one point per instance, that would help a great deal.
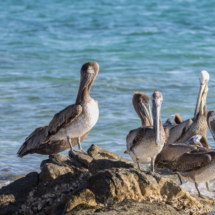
(77, 152)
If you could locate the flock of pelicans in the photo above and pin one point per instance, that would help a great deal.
(180, 146)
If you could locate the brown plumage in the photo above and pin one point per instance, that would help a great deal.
(53, 138)
(177, 131)
(211, 122)
(178, 118)
(145, 142)
(197, 166)
(193, 160)
(64, 118)
(170, 153)
(141, 105)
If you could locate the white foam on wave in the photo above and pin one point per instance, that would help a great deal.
(4, 183)
(190, 187)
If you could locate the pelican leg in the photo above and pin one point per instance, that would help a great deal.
(69, 141)
(73, 151)
(138, 163)
(207, 185)
(79, 144)
(198, 190)
(152, 165)
(179, 177)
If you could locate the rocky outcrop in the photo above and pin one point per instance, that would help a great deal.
(100, 182)
(129, 206)
(15, 194)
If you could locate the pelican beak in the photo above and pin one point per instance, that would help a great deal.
(190, 142)
(144, 108)
(157, 124)
(201, 91)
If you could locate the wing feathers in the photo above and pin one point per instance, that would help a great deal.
(192, 161)
(41, 135)
(64, 117)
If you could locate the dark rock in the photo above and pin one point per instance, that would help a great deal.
(84, 212)
(101, 164)
(43, 188)
(15, 194)
(97, 152)
(84, 159)
(103, 159)
(114, 185)
(128, 207)
(52, 171)
(44, 162)
(117, 186)
(81, 201)
(76, 163)
(60, 168)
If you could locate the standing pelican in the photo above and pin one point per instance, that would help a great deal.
(144, 143)
(198, 125)
(141, 105)
(197, 166)
(74, 122)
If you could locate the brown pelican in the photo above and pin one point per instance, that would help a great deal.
(173, 120)
(198, 125)
(69, 126)
(144, 143)
(141, 105)
(170, 153)
(197, 166)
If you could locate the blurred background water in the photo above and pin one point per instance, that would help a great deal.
(139, 45)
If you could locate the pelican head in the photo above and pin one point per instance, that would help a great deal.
(174, 119)
(141, 105)
(204, 78)
(157, 99)
(171, 120)
(88, 72)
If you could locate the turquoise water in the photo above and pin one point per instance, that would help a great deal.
(140, 46)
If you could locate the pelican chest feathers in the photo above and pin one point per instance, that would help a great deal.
(144, 143)
(71, 125)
